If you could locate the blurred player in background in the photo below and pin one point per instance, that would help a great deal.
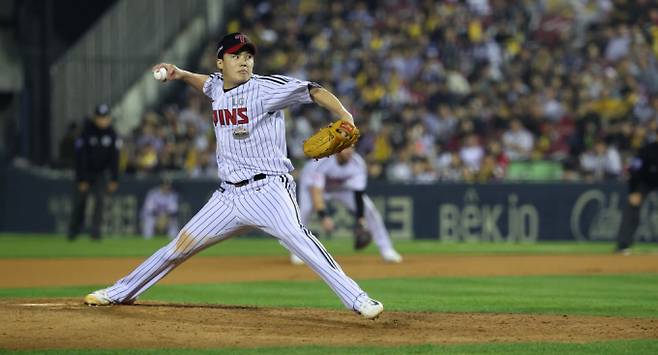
(642, 181)
(96, 156)
(160, 208)
(343, 178)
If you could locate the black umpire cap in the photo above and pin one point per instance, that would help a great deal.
(234, 42)
(102, 110)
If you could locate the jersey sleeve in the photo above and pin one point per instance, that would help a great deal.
(213, 83)
(282, 91)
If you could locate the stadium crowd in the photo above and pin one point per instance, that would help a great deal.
(445, 91)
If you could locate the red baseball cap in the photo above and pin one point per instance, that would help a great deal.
(233, 43)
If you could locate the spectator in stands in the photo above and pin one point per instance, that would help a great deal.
(471, 153)
(382, 145)
(400, 170)
(202, 162)
(422, 171)
(496, 162)
(602, 162)
(517, 141)
(445, 124)
(571, 73)
(147, 158)
(451, 167)
(192, 114)
(488, 170)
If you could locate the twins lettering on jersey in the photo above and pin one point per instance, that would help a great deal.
(236, 115)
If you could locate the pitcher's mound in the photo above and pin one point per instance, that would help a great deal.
(67, 324)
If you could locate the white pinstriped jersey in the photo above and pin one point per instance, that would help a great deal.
(249, 124)
(331, 176)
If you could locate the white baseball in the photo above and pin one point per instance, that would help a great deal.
(160, 74)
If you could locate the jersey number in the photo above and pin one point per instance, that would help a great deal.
(225, 117)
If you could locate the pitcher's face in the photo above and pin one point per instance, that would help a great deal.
(237, 68)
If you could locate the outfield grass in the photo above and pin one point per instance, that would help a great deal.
(630, 347)
(601, 295)
(47, 246)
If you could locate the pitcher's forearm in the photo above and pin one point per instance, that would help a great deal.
(329, 101)
(193, 79)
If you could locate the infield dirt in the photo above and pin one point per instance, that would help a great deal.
(49, 323)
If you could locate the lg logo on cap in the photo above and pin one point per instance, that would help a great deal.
(242, 38)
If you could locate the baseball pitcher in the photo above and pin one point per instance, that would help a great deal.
(256, 188)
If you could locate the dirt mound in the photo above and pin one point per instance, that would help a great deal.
(100, 271)
(65, 323)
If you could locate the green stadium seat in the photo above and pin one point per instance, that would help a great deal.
(542, 170)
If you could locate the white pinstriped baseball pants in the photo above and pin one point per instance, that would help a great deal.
(268, 205)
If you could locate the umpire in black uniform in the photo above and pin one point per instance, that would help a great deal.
(643, 179)
(96, 155)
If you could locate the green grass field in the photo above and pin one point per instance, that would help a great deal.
(44, 246)
(629, 295)
(609, 347)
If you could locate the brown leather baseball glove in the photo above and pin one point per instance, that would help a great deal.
(332, 139)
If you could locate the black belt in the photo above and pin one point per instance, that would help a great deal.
(246, 182)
